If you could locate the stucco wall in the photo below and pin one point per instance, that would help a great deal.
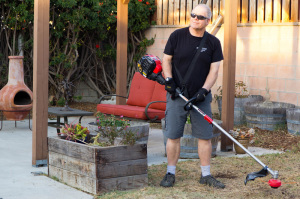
(88, 95)
(266, 52)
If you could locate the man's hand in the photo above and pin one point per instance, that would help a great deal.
(200, 95)
(170, 85)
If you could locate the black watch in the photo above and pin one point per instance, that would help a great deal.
(168, 79)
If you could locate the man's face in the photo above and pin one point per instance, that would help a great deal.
(197, 24)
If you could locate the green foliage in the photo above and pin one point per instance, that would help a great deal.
(129, 137)
(75, 132)
(188, 120)
(240, 91)
(61, 101)
(110, 127)
(82, 39)
(96, 141)
(78, 98)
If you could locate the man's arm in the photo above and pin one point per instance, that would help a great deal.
(212, 75)
(167, 65)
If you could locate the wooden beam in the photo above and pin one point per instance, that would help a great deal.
(215, 10)
(229, 63)
(159, 12)
(182, 12)
(189, 8)
(286, 10)
(260, 11)
(165, 12)
(238, 11)
(122, 40)
(245, 7)
(176, 12)
(171, 13)
(40, 82)
(268, 15)
(294, 10)
(252, 11)
(277, 11)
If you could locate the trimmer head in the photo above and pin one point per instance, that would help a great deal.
(259, 174)
(274, 183)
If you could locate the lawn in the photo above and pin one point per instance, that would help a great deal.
(231, 171)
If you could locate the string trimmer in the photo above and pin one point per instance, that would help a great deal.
(150, 67)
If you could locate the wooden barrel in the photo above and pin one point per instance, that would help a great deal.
(239, 113)
(293, 120)
(189, 144)
(266, 116)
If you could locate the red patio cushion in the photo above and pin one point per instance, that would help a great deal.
(159, 94)
(141, 91)
(130, 111)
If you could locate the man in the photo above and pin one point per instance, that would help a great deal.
(179, 52)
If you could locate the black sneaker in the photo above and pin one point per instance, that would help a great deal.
(211, 181)
(168, 180)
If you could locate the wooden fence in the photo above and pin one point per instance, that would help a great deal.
(177, 12)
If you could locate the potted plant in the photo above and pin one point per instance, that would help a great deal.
(113, 131)
(242, 136)
(242, 96)
(94, 161)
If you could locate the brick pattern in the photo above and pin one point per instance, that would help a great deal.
(264, 54)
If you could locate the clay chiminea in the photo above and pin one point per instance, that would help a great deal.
(15, 96)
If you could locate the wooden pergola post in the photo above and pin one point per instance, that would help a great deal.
(122, 40)
(229, 64)
(40, 82)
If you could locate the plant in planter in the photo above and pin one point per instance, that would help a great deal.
(116, 130)
(242, 136)
(96, 166)
(242, 96)
(75, 132)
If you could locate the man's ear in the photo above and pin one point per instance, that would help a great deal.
(208, 21)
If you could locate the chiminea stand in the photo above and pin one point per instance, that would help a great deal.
(15, 120)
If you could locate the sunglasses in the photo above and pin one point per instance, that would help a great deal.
(199, 17)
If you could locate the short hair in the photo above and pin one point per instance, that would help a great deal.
(206, 7)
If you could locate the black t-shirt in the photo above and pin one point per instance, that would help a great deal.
(182, 46)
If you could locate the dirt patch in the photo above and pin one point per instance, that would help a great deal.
(226, 175)
(279, 139)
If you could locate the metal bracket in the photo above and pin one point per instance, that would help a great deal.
(41, 163)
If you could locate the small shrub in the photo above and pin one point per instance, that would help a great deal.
(240, 91)
(61, 101)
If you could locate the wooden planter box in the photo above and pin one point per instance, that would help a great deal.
(98, 169)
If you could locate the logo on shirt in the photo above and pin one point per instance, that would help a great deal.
(203, 49)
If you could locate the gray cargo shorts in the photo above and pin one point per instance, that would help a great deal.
(176, 118)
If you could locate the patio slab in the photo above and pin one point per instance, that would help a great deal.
(19, 179)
